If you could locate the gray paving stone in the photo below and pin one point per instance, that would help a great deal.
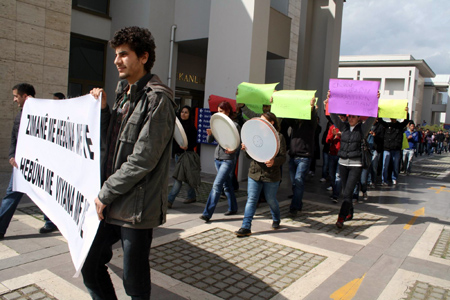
(236, 269)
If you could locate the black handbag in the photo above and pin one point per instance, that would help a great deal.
(366, 154)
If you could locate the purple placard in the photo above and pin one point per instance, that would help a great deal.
(353, 97)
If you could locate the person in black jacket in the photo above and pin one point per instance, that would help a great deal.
(377, 133)
(393, 140)
(301, 153)
(21, 92)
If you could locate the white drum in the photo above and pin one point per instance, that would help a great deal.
(224, 131)
(261, 139)
(179, 135)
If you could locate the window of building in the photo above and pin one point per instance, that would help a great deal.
(394, 85)
(98, 7)
(86, 64)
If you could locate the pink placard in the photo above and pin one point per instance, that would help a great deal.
(353, 97)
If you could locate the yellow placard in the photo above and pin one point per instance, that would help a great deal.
(392, 108)
(252, 93)
(294, 104)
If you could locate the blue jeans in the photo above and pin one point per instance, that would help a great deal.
(408, 155)
(177, 187)
(361, 184)
(298, 169)
(350, 177)
(136, 268)
(253, 190)
(389, 155)
(8, 206)
(325, 164)
(333, 161)
(223, 179)
(373, 169)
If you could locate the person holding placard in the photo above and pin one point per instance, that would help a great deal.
(301, 153)
(136, 138)
(350, 164)
(21, 92)
(393, 139)
(187, 122)
(264, 176)
(225, 161)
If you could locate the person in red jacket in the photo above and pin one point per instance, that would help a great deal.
(334, 140)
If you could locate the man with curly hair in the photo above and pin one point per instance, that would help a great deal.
(136, 144)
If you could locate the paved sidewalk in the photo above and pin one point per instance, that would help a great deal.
(396, 247)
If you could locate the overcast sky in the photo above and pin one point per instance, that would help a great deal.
(417, 27)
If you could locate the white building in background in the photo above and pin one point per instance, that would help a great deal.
(436, 91)
(204, 47)
(400, 77)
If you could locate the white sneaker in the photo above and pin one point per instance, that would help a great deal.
(365, 197)
(394, 182)
(322, 180)
(330, 188)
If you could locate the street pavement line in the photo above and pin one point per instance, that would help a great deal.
(348, 291)
(417, 213)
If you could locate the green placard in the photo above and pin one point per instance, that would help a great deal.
(392, 108)
(292, 104)
(252, 93)
(405, 144)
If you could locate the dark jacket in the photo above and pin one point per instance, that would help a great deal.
(136, 192)
(351, 140)
(393, 134)
(258, 171)
(378, 139)
(14, 135)
(191, 134)
(302, 137)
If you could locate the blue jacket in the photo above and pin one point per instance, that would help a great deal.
(414, 140)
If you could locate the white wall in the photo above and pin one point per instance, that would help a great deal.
(237, 51)
(192, 19)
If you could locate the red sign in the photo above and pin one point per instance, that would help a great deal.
(214, 102)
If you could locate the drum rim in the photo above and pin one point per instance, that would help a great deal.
(232, 126)
(274, 131)
(180, 128)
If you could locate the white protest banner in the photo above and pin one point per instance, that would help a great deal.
(58, 158)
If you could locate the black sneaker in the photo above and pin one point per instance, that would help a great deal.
(333, 199)
(275, 224)
(47, 229)
(243, 232)
(204, 218)
(230, 213)
(292, 213)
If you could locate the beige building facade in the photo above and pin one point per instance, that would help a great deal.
(34, 39)
(203, 47)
